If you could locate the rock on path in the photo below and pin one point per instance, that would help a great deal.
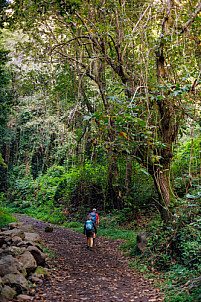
(77, 274)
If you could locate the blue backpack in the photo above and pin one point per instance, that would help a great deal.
(93, 217)
(89, 225)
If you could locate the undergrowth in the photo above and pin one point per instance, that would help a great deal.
(6, 217)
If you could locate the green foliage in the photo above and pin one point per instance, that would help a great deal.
(2, 200)
(117, 218)
(22, 189)
(5, 217)
(183, 181)
(2, 163)
(116, 233)
(48, 194)
(173, 252)
(7, 99)
(75, 226)
(82, 185)
(35, 197)
(51, 253)
(124, 115)
(6, 94)
(182, 285)
(3, 5)
(178, 242)
(192, 296)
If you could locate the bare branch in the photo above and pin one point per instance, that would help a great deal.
(73, 39)
(136, 25)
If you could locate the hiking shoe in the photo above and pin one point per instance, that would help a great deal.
(87, 247)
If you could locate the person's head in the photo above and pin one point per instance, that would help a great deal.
(89, 217)
(94, 210)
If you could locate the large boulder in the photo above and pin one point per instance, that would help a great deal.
(27, 228)
(8, 293)
(34, 237)
(141, 241)
(27, 262)
(38, 255)
(16, 280)
(8, 264)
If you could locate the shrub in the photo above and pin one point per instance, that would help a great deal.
(6, 217)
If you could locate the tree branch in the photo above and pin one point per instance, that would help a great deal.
(194, 15)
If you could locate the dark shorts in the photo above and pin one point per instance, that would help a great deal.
(90, 234)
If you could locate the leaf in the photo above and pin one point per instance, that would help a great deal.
(86, 118)
(123, 134)
(144, 171)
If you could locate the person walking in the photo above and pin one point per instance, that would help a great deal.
(95, 219)
(89, 230)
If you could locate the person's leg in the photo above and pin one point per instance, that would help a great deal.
(88, 242)
(94, 237)
(91, 242)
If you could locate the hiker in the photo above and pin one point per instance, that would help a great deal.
(95, 219)
(89, 230)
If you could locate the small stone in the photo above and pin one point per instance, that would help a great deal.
(24, 298)
(41, 271)
(34, 279)
(49, 229)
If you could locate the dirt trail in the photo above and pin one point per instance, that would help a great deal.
(78, 274)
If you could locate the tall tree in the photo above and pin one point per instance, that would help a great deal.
(6, 100)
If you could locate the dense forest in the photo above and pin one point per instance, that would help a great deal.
(100, 107)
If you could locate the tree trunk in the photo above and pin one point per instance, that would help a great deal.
(128, 177)
(166, 196)
(112, 180)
